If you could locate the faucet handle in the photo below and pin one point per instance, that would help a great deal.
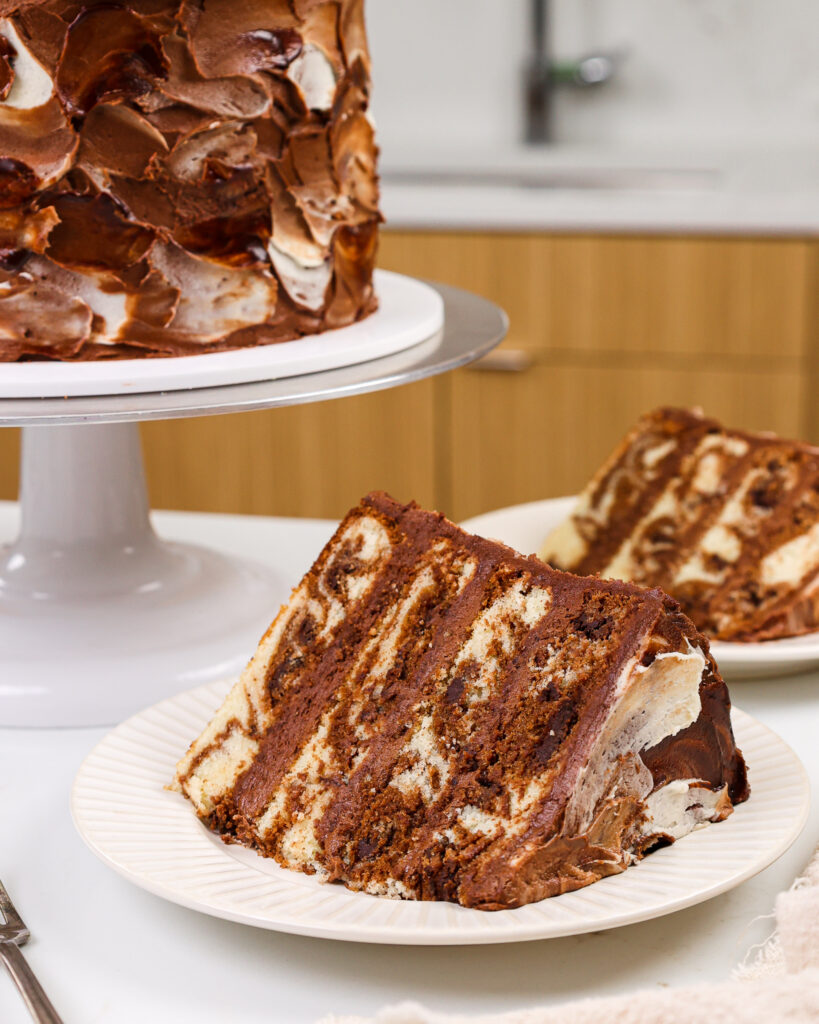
(585, 72)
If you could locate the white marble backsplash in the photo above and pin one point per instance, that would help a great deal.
(448, 73)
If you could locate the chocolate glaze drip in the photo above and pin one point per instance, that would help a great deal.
(182, 153)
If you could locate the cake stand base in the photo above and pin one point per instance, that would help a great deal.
(98, 616)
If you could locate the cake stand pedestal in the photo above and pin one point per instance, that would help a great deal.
(97, 614)
(99, 617)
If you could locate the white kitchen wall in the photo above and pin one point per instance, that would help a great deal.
(448, 72)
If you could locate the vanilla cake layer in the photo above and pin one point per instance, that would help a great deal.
(725, 521)
(433, 716)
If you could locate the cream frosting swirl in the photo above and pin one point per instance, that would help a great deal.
(181, 176)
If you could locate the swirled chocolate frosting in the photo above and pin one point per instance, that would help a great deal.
(182, 176)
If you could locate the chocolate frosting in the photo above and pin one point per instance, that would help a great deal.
(181, 176)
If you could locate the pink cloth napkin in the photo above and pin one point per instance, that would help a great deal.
(781, 986)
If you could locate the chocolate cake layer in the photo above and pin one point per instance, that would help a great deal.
(434, 716)
(182, 176)
(724, 520)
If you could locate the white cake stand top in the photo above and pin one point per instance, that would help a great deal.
(409, 311)
(419, 330)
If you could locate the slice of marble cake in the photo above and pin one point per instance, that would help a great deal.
(725, 521)
(434, 716)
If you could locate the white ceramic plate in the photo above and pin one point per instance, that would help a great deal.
(409, 312)
(152, 838)
(524, 527)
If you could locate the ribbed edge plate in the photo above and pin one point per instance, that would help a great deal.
(152, 838)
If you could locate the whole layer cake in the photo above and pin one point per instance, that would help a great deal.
(725, 521)
(181, 176)
(434, 716)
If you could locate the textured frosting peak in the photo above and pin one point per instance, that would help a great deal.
(182, 175)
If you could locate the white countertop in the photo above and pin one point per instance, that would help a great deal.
(106, 951)
(747, 191)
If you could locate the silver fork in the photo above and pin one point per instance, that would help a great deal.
(13, 934)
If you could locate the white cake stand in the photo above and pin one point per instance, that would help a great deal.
(99, 617)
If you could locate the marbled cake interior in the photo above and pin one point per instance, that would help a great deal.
(181, 176)
(433, 716)
(725, 521)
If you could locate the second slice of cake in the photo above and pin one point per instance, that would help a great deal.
(724, 520)
(434, 716)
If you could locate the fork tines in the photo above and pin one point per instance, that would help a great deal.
(12, 929)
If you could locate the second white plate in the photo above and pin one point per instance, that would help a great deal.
(525, 527)
(152, 838)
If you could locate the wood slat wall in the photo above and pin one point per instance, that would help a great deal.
(566, 419)
(314, 460)
(611, 326)
(713, 296)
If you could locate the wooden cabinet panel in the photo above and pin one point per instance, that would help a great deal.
(724, 297)
(613, 325)
(310, 460)
(811, 381)
(506, 268)
(721, 297)
(9, 463)
(542, 433)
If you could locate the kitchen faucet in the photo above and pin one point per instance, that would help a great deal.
(543, 75)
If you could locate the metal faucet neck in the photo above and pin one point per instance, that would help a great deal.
(542, 75)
